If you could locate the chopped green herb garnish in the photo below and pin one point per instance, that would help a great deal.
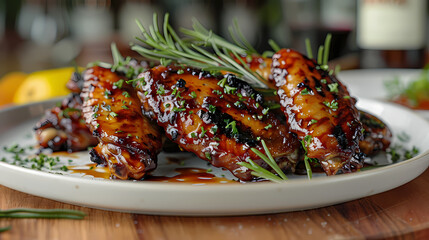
(229, 90)
(15, 148)
(66, 112)
(233, 126)
(203, 132)
(222, 83)
(176, 109)
(193, 94)
(213, 129)
(212, 108)
(333, 87)
(160, 90)
(126, 94)
(136, 81)
(305, 91)
(217, 92)
(265, 111)
(118, 84)
(332, 105)
(312, 121)
(107, 94)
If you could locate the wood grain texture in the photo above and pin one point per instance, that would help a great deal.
(402, 213)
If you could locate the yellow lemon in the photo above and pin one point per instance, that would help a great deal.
(44, 85)
(9, 83)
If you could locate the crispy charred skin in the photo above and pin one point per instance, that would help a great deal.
(219, 119)
(129, 142)
(75, 83)
(63, 127)
(377, 135)
(316, 104)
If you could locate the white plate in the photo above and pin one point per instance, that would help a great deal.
(214, 199)
(369, 83)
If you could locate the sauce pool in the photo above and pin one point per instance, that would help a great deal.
(194, 176)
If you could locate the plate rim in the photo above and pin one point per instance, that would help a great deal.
(230, 188)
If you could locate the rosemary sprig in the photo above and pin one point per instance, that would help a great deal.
(259, 171)
(40, 213)
(192, 52)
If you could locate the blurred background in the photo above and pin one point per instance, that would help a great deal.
(42, 34)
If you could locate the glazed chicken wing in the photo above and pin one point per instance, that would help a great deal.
(319, 110)
(377, 135)
(63, 128)
(218, 118)
(129, 142)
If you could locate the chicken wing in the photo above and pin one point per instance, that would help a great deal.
(63, 128)
(377, 135)
(129, 142)
(218, 118)
(319, 110)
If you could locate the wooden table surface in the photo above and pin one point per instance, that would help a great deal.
(402, 213)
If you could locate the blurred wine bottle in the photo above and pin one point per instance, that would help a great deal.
(391, 34)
